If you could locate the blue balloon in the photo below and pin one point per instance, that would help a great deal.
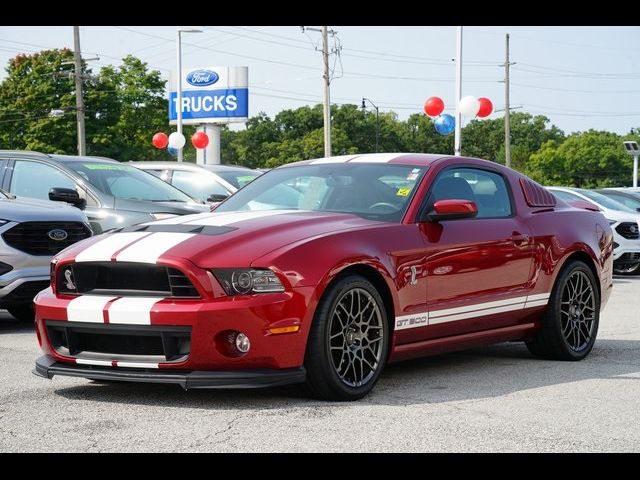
(172, 151)
(445, 124)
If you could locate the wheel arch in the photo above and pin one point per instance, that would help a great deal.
(586, 258)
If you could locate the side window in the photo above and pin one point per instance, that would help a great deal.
(35, 179)
(197, 185)
(487, 189)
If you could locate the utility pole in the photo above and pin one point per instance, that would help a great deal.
(327, 98)
(326, 81)
(77, 57)
(507, 119)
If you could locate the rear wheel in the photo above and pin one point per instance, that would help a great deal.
(348, 342)
(570, 323)
(23, 313)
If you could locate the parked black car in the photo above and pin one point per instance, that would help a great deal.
(112, 194)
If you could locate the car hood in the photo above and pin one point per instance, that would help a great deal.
(24, 209)
(222, 240)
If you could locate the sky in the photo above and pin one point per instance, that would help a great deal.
(579, 77)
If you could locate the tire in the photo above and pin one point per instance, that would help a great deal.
(348, 342)
(23, 313)
(635, 270)
(570, 323)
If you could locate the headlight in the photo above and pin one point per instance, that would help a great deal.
(2, 222)
(611, 222)
(246, 281)
(162, 216)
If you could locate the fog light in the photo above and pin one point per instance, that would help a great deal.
(242, 343)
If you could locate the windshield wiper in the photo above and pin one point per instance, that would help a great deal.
(8, 194)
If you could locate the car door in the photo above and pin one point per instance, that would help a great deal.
(478, 269)
(34, 179)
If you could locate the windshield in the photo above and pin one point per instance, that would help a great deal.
(374, 191)
(238, 178)
(605, 201)
(127, 183)
(630, 201)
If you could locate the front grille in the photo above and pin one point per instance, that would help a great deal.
(23, 293)
(628, 230)
(33, 237)
(120, 342)
(124, 279)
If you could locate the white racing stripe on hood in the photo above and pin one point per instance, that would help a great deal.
(132, 310)
(87, 308)
(149, 249)
(102, 250)
(229, 218)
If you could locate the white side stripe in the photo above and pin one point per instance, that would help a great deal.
(539, 296)
(149, 249)
(477, 313)
(477, 306)
(136, 364)
(103, 363)
(132, 310)
(102, 250)
(423, 319)
(87, 308)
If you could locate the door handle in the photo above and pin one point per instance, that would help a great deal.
(519, 238)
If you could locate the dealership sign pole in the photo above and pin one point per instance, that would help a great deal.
(211, 96)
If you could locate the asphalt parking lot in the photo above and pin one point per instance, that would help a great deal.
(490, 399)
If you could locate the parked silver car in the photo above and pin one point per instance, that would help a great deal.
(31, 232)
(207, 183)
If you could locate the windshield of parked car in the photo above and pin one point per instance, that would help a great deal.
(375, 191)
(630, 201)
(238, 178)
(605, 201)
(127, 183)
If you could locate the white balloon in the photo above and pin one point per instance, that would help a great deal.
(468, 106)
(177, 140)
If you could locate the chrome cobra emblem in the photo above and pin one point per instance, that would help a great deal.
(68, 274)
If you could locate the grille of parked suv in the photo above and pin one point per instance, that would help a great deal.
(124, 279)
(39, 238)
(628, 230)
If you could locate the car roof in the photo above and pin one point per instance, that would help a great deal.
(418, 159)
(188, 166)
(76, 158)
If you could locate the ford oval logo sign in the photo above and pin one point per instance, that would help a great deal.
(202, 78)
(57, 234)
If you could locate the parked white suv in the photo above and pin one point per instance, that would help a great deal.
(624, 223)
(31, 232)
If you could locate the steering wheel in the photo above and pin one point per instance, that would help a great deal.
(384, 207)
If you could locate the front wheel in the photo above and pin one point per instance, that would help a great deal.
(348, 342)
(570, 323)
(627, 269)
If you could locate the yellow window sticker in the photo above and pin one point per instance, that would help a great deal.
(403, 192)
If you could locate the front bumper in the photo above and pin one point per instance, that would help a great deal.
(47, 367)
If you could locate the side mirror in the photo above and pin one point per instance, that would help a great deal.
(452, 209)
(69, 195)
(217, 197)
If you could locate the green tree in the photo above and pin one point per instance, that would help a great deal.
(35, 85)
(124, 107)
(485, 138)
(585, 159)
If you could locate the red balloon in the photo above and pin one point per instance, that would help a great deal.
(160, 140)
(200, 140)
(434, 106)
(486, 107)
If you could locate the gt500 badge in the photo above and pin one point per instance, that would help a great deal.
(412, 321)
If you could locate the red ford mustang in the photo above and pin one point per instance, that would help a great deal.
(321, 272)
